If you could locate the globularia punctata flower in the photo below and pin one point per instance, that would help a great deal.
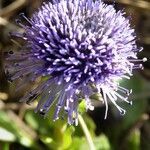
(82, 47)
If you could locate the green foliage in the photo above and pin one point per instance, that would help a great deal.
(134, 140)
(101, 143)
(35, 132)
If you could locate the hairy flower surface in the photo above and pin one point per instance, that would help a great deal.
(82, 47)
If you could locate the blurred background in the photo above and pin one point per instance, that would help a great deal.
(22, 129)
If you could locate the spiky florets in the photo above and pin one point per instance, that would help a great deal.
(82, 47)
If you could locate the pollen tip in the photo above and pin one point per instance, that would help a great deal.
(130, 102)
(130, 91)
(21, 14)
(91, 108)
(42, 112)
(123, 112)
(144, 59)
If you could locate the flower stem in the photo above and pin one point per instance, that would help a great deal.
(5, 146)
(86, 132)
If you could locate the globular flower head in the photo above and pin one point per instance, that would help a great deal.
(82, 47)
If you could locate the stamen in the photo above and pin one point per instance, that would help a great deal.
(124, 90)
(123, 98)
(106, 103)
(138, 66)
(138, 60)
(23, 16)
(122, 111)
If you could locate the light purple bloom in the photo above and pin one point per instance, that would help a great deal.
(81, 47)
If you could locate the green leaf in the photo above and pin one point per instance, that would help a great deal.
(102, 143)
(82, 107)
(42, 125)
(60, 138)
(6, 135)
(5, 146)
(49, 142)
(79, 143)
(8, 123)
(90, 124)
(31, 120)
(67, 138)
(134, 140)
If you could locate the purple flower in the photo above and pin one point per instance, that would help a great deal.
(81, 47)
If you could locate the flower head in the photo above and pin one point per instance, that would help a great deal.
(82, 47)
